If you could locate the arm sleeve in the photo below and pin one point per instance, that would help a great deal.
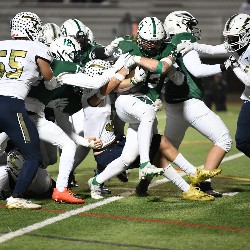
(197, 68)
(210, 49)
(63, 122)
(85, 81)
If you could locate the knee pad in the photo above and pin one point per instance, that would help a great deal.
(225, 142)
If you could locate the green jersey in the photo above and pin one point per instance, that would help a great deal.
(192, 86)
(154, 82)
(41, 93)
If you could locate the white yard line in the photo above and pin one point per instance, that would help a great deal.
(70, 213)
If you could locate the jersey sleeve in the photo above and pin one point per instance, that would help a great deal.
(42, 51)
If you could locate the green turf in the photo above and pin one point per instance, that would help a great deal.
(160, 221)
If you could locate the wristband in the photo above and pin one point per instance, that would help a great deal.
(99, 95)
(119, 76)
(159, 68)
(167, 60)
(137, 59)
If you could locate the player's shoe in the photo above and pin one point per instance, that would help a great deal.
(72, 181)
(195, 194)
(66, 196)
(202, 174)
(149, 171)
(207, 188)
(142, 188)
(21, 203)
(104, 190)
(95, 190)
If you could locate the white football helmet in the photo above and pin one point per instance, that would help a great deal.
(48, 33)
(151, 36)
(76, 29)
(66, 49)
(96, 67)
(181, 21)
(25, 24)
(15, 162)
(237, 32)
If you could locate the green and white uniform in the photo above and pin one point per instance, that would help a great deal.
(133, 108)
(184, 105)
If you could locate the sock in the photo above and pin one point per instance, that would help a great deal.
(95, 182)
(184, 165)
(144, 164)
(175, 177)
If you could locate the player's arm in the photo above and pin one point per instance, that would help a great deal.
(106, 89)
(47, 73)
(198, 69)
(153, 65)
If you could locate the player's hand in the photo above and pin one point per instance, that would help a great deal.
(59, 103)
(109, 49)
(95, 143)
(139, 76)
(185, 47)
(157, 105)
(121, 61)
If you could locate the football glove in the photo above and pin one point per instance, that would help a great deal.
(185, 47)
(139, 76)
(59, 104)
(109, 49)
(157, 105)
(230, 63)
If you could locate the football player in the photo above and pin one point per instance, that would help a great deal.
(237, 36)
(89, 48)
(184, 105)
(11, 164)
(117, 155)
(22, 60)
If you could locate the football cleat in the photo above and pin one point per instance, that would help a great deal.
(95, 190)
(149, 171)
(21, 203)
(195, 194)
(104, 190)
(142, 188)
(202, 174)
(72, 181)
(66, 196)
(207, 188)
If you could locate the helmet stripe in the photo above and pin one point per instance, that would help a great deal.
(77, 24)
(154, 27)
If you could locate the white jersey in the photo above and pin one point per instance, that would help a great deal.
(243, 72)
(97, 121)
(18, 68)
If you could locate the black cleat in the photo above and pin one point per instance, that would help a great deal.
(104, 190)
(123, 176)
(142, 187)
(72, 181)
(207, 188)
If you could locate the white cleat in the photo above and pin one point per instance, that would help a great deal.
(149, 171)
(95, 190)
(21, 203)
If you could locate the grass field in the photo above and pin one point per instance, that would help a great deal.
(124, 221)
